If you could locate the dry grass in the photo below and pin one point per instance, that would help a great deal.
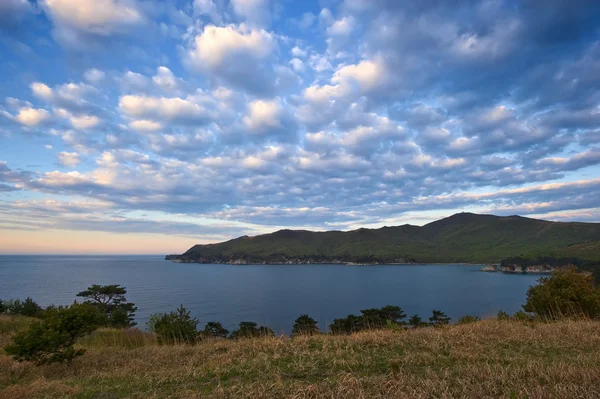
(486, 359)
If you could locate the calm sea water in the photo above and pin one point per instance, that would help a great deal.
(272, 295)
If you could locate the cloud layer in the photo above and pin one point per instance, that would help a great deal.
(256, 115)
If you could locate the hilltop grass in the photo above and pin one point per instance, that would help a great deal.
(488, 358)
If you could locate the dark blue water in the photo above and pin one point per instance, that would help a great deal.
(273, 295)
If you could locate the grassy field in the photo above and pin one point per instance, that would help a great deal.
(486, 359)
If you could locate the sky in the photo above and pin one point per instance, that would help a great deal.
(131, 126)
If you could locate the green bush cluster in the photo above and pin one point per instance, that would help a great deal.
(28, 307)
(52, 338)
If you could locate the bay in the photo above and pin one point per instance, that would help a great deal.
(272, 295)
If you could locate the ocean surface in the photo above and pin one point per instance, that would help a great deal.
(272, 295)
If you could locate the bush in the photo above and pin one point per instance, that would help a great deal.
(214, 329)
(439, 318)
(378, 318)
(28, 307)
(347, 325)
(369, 319)
(2, 308)
(521, 316)
(249, 329)
(468, 319)
(305, 325)
(51, 339)
(415, 321)
(502, 315)
(110, 300)
(566, 293)
(174, 327)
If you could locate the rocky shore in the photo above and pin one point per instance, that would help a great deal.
(516, 269)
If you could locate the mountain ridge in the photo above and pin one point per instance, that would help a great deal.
(460, 238)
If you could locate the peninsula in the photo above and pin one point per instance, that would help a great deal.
(461, 238)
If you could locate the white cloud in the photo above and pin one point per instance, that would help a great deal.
(368, 74)
(32, 116)
(48, 146)
(68, 158)
(173, 109)
(341, 27)
(144, 125)
(253, 11)
(297, 64)
(94, 75)
(298, 52)
(264, 115)
(165, 79)
(218, 45)
(41, 90)
(84, 121)
(100, 17)
(208, 8)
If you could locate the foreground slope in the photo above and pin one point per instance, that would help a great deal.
(463, 237)
(487, 359)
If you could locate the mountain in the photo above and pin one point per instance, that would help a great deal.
(464, 237)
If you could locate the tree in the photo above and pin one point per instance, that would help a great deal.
(174, 327)
(28, 307)
(305, 325)
(214, 329)
(565, 293)
(378, 318)
(415, 321)
(52, 338)
(502, 315)
(2, 307)
(110, 300)
(347, 325)
(439, 318)
(249, 329)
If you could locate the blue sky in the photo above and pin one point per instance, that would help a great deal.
(147, 126)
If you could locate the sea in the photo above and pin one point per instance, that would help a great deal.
(271, 295)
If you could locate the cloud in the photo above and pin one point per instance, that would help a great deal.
(94, 75)
(253, 11)
(68, 158)
(85, 121)
(208, 8)
(268, 117)
(75, 22)
(234, 55)
(32, 116)
(173, 109)
(143, 125)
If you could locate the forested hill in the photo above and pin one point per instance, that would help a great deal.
(464, 237)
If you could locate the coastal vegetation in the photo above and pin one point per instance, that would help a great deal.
(377, 353)
(464, 237)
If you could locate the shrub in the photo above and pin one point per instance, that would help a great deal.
(2, 306)
(521, 316)
(439, 318)
(110, 300)
(565, 293)
(51, 339)
(305, 325)
(415, 321)
(347, 325)
(502, 315)
(468, 319)
(28, 307)
(249, 329)
(378, 318)
(174, 327)
(214, 329)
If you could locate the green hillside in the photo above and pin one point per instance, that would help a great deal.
(463, 237)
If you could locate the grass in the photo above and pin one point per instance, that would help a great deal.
(482, 359)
